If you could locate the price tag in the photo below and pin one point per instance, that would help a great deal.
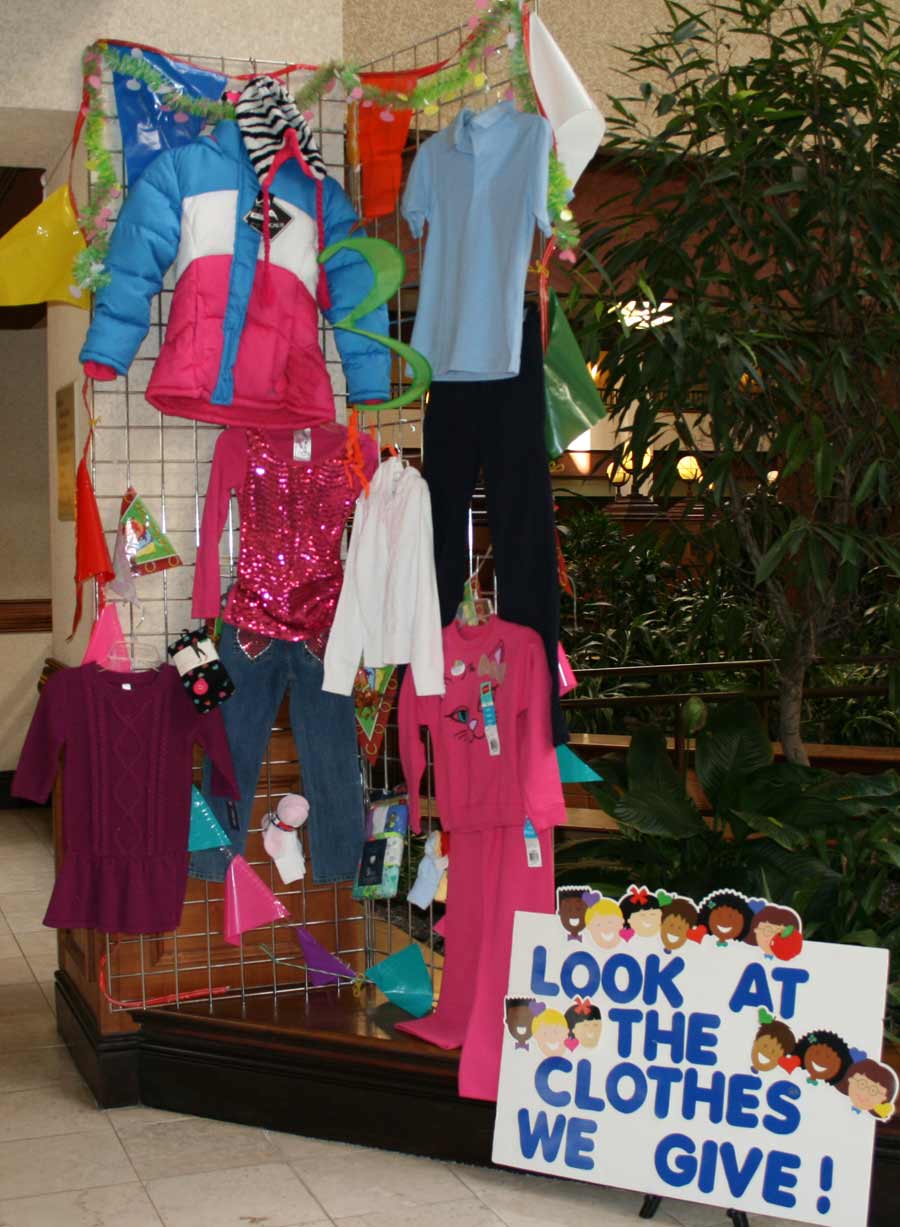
(489, 714)
(303, 444)
(532, 846)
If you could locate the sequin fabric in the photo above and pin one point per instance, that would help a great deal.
(289, 570)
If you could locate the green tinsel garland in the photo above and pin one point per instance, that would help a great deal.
(94, 218)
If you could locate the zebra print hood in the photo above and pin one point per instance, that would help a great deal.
(274, 132)
(265, 113)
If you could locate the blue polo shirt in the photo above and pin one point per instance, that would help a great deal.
(481, 184)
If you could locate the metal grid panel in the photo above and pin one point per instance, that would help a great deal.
(168, 461)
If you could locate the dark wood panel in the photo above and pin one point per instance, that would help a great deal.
(26, 617)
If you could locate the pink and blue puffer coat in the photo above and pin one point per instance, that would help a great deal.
(242, 342)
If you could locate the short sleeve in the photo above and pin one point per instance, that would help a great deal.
(417, 198)
(541, 180)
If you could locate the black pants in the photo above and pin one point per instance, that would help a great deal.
(498, 425)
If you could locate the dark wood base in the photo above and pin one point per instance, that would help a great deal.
(108, 1063)
(323, 1066)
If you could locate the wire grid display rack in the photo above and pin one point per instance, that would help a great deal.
(168, 461)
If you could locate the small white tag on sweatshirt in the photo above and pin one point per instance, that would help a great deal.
(532, 846)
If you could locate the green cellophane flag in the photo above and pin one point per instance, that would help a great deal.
(573, 402)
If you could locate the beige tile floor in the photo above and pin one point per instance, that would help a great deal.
(66, 1163)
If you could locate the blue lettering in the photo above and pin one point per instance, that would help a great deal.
(531, 1137)
(552, 1065)
(676, 1169)
(706, 1178)
(694, 1093)
(779, 1178)
(700, 1038)
(752, 990)
(625, 1020)
(540, 985)
(739, 1176)
(665, 1077)
(615, 1077)
(778, 1098)
(656, 1036)
(743, 1101)
(579, 1144)
(790, 979)
(632, 969)
(580, 959)
(583, 1097)
(658, 981)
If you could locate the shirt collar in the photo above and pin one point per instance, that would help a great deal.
(469, 122)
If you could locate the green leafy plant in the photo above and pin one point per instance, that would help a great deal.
(766, 135)
(825, 844)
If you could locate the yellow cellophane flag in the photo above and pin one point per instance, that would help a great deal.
(36, 256)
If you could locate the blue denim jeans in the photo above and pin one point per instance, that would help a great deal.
(324, 728)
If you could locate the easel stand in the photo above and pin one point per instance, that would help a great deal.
(652, 1202)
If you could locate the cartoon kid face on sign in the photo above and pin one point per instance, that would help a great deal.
(727, 916)
(678, 917)
(550, 1031)
(773, 1041)
(773, 922)
(585, 1022)
(641, 911)
(824, 1057)
(604, 923)
(519, 1019)
(571, 907)
(870, 1087)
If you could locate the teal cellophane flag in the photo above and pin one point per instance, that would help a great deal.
(206, 831)
(572, 769)
(404, 979)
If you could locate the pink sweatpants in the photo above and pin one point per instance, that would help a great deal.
(489, 881)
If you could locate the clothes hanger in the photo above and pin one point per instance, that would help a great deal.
(475, 609)
(138, 658)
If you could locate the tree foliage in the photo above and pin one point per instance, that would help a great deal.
(767, 140)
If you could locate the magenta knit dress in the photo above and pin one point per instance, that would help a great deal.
(128, 740)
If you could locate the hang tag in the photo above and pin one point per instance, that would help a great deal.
(532, 846)
(203, 653)
(126, 685)
(489, 714)
(303, 444)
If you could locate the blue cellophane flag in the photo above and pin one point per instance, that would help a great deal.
(404, 979)
(147, 123)
(206, 831)
(572, 769)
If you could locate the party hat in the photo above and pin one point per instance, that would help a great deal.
(105, 635)
(248, 902)
(92, 560)
(572, 769)
(404, 979)
(322, 967)
(37, 254)
(147, 547)
(206, 832)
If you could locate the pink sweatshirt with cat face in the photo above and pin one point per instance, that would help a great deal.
(474, 789)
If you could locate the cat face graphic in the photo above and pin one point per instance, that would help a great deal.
(466, 715)
(468, 724)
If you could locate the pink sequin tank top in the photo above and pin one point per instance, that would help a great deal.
(289, 570)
